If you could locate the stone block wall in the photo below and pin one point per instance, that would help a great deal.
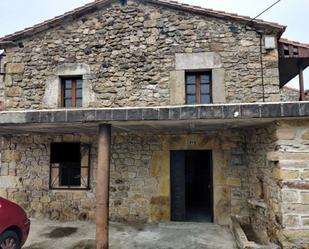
(292, 176)
(24, 178)
(140, 175)
(131, 52)
(264, 193)
(1, 91)
(134, 185)
(261, 173)
(278, 166)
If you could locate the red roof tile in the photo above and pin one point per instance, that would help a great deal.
(290, 89)
(295, 43)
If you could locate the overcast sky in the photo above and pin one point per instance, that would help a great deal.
(19, 14)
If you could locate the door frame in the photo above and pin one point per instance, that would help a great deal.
(211, 180)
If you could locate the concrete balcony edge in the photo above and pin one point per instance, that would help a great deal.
(238, 111)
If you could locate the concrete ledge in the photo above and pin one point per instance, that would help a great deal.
(168, 113)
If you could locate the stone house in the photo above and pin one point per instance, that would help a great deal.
(192, 97)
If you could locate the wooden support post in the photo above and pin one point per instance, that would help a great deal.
(102, 187)
(301, 85)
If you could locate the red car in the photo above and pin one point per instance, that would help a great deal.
(14, 225)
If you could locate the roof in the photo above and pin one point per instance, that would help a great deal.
(294, 43)
(96, 5)
(288, 88)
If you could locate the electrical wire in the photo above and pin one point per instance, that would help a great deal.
(261, 47)
(262, 12)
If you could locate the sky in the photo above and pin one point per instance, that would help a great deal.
(19, 14)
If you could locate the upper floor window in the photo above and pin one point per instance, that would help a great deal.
(295, 51)
(72, 92)
(286, 50)
(198, 88)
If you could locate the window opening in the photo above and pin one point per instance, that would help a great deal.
(198, 88)
(71, 92)
(295, 51)
(69, 165)
(286, 50)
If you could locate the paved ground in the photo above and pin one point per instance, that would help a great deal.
(80, 235)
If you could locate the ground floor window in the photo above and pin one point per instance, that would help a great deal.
(69, 165)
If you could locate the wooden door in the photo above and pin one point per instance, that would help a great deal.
(178, 186)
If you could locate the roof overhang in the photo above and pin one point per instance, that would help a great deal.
(166, 119)
(289, 68)
(99, 4)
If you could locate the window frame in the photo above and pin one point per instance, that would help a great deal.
(73, 88)
(88, 167)
(198, 84)
(295, 51)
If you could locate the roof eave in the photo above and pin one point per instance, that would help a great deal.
(279, 29)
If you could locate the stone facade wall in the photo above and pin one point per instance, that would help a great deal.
(140, 180)
(229, 175)
(25, 178)
(260, 173)
(264, 193)
(292, 176)
(1, 92)
(133, 186)
(131, 52)
(278, 165)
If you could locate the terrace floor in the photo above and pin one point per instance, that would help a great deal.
(47, 234)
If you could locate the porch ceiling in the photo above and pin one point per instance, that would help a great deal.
(289, 68)
(172, 119)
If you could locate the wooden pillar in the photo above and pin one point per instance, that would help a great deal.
(102, 187)
(301, 85)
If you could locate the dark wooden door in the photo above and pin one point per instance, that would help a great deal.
(178, 186)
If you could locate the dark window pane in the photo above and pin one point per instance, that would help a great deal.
(70, 174)
(204, 88)
(79, 93)
(205, 99)
(65, 152)
(67, 103)
(68, 157)
(190, 79)
(198, 88)
(295, 50)
(79, 103)
(191, 89)
(68, 84)
(191, 99)
(79, 83)
(205, 78)
(67, 93)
